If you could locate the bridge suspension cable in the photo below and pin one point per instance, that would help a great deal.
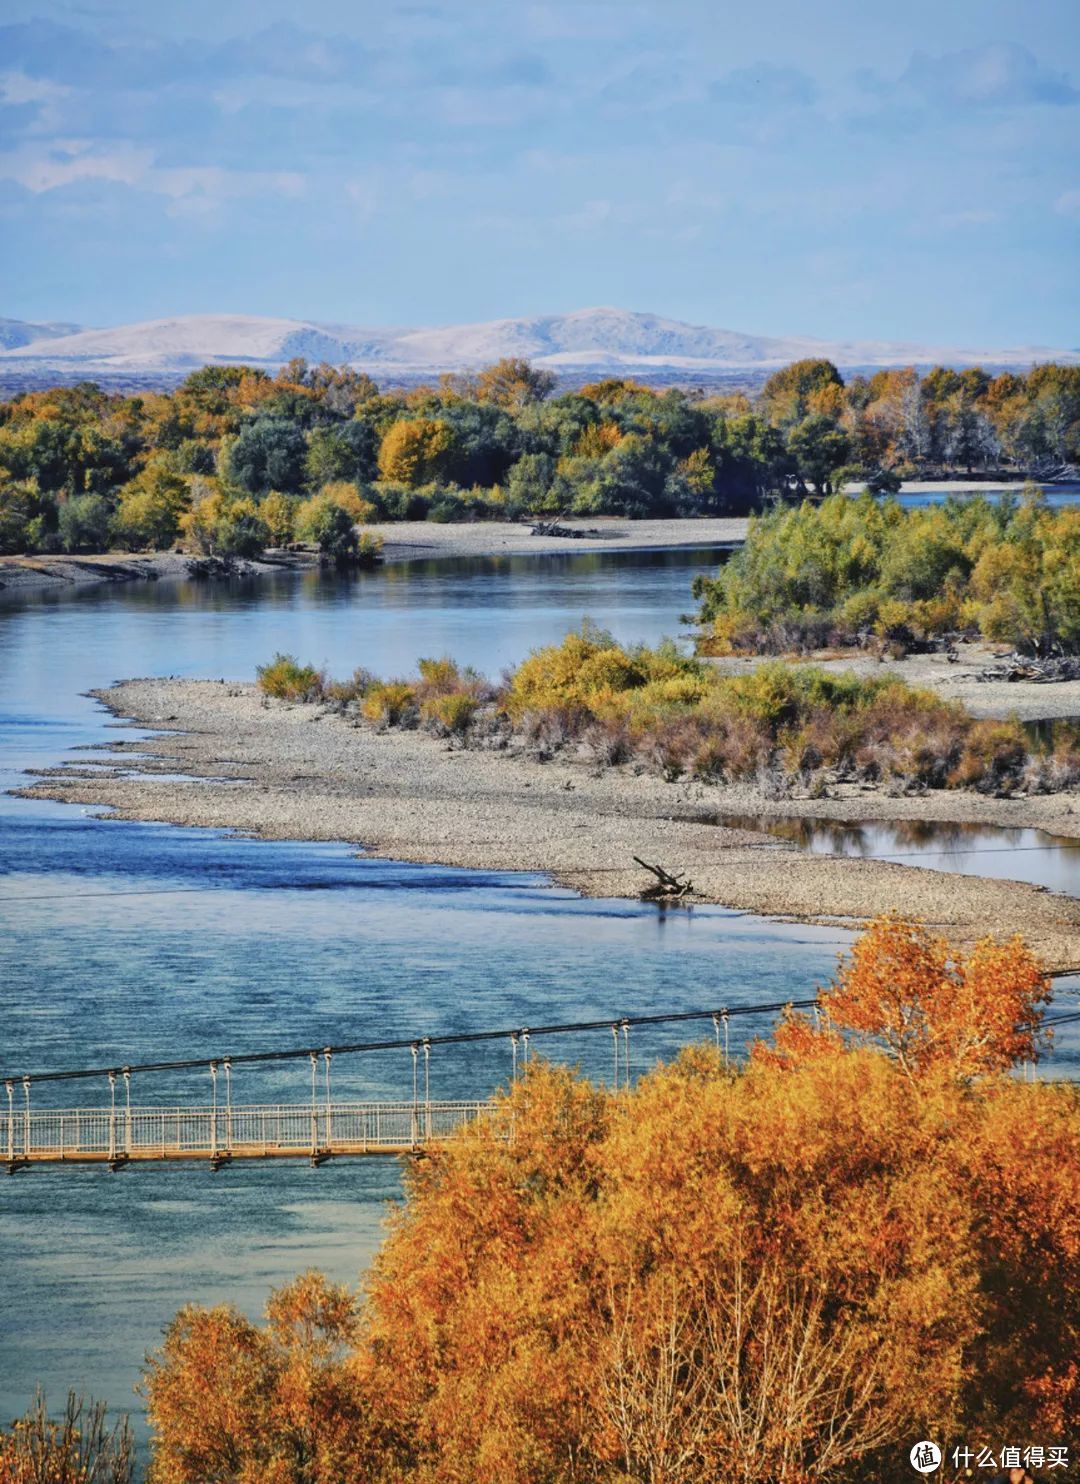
(519, 1038)
(621, 1023)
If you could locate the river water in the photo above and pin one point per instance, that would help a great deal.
(123, 942)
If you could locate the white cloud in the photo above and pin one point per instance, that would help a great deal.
(1068, 204)
(50, 170)
(68, 161)
(16, 87)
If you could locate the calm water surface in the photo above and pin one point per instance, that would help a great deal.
(231, 944)
(1006, 854)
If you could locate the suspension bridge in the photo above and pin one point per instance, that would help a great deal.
(116, 1132)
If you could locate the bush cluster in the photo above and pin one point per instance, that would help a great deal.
(679, 716)
(856, 571)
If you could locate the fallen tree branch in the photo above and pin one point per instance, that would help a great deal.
(667, 886)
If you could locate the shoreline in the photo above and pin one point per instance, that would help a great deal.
(409, 541)
(278, 770)
(38, 574)
(404, 541)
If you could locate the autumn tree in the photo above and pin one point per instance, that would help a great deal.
(414, 451)
(513, 383)
(930, 1007)
(773, 1274)
(234, 1402)
(787, 394)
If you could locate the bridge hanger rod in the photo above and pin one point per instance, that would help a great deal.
(404, 1043)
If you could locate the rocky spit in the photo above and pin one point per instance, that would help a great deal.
(307, 772)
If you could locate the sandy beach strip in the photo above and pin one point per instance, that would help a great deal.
(305, 772)
(31, 574)
(421, 540)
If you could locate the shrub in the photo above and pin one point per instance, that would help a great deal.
(451, 714)
(389, 702)
(241, 531)
(777, 722)
(79, 1448)
(286, 680)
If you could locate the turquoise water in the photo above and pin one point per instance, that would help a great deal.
(230, 945)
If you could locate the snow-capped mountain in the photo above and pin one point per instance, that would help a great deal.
(600, 339)
(19, 332)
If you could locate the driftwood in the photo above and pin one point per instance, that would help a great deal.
(668, 888)
(553, 528)
(1040, 671)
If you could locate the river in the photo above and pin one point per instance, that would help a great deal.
(122, 942)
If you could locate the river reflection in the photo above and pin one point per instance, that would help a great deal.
(1030, 855)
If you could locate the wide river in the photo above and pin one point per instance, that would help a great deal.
(125, 942)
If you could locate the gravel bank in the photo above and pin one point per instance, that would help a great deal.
(304, 772)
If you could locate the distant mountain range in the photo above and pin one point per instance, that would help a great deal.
(15, 333)
(601, 340)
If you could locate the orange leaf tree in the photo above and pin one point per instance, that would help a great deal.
(906, 990)
(776, 1274)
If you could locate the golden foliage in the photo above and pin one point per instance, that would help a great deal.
(414, 451)
(777, 1274)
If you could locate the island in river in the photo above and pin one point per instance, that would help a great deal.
(224, 756)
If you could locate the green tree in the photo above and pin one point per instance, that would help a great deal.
(268, 454)
(148, 514)
(818, 447)
(84, 523)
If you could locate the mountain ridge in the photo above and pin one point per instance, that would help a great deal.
(601, 338)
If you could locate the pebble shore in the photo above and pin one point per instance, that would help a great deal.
(306, 772)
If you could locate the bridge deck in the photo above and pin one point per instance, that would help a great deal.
(318, 1131)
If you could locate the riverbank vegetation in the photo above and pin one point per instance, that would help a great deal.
(779, 725)
(863, 571)
(772, 1272)
(231, 461)
(79, 1447)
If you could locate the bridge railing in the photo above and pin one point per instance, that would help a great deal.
(194, 1130)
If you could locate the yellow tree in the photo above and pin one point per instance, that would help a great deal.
(414, 451)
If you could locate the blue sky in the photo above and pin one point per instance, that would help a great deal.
(904, 170)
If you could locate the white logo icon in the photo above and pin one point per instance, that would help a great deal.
(925, 1457)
